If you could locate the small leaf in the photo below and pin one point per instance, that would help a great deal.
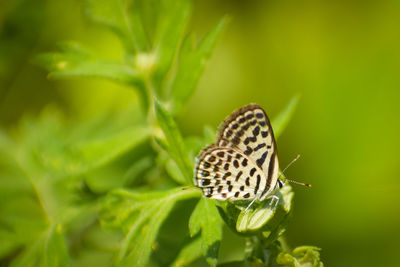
(76, 61)
(174, 171)
(48, 250)
(55, 251)
(252, 220)
(114, 15)
(205, 217)
(176, 146)
(280, 122)
(189, 253)
(174, 16)
(98, 152)
(192, 60)
(142, 245)
(141, 216)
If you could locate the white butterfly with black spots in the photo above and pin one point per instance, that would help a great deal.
(243, 162)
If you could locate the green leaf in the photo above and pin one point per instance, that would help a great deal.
(206, 218)
(55, 251)
(61, 155)
(114, 15)
(141, 247)
(280, 122)
(174, 171)
(98, 152)
(174, 16)
(48, 250)
(176, 147)
(192, 60)
(76, 61)
(189, 253)
(141, 216)
(252, 220)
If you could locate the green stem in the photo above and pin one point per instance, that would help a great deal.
(284, 244)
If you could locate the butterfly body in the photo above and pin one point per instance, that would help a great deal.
(243, 163)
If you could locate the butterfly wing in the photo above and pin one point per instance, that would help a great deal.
(226, 173)
(249, 130)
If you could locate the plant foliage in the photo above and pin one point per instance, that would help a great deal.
(109, 190)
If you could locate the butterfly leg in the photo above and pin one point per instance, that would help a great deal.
(258, 196)
(274, 202)
(251, 203)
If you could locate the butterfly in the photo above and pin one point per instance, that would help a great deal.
(243, 163)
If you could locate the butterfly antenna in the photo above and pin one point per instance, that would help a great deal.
(291, 181)
(293, 161)
(295, 182)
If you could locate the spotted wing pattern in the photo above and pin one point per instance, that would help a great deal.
(243, 163)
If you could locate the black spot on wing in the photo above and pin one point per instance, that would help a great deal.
(248, 151)
(261, 160)
(240, 133)
(256, 131)
(205, 182)
(236, 164)
(258, 184)
(226, 175)
(264, 134)
(244, 162)
(249, 116)
(226, 166)
(238, 176)
(250, 139)
(236, 140)
(205, 173)
(259, 146)
(206, 165)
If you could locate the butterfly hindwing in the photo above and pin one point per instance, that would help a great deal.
(226, 173)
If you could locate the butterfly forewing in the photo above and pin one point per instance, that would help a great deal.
(247, 132)
(226, 173)
(250, 131)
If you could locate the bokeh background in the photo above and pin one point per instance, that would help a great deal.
(343, 57)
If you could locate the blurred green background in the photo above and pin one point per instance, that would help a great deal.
(343, 57)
